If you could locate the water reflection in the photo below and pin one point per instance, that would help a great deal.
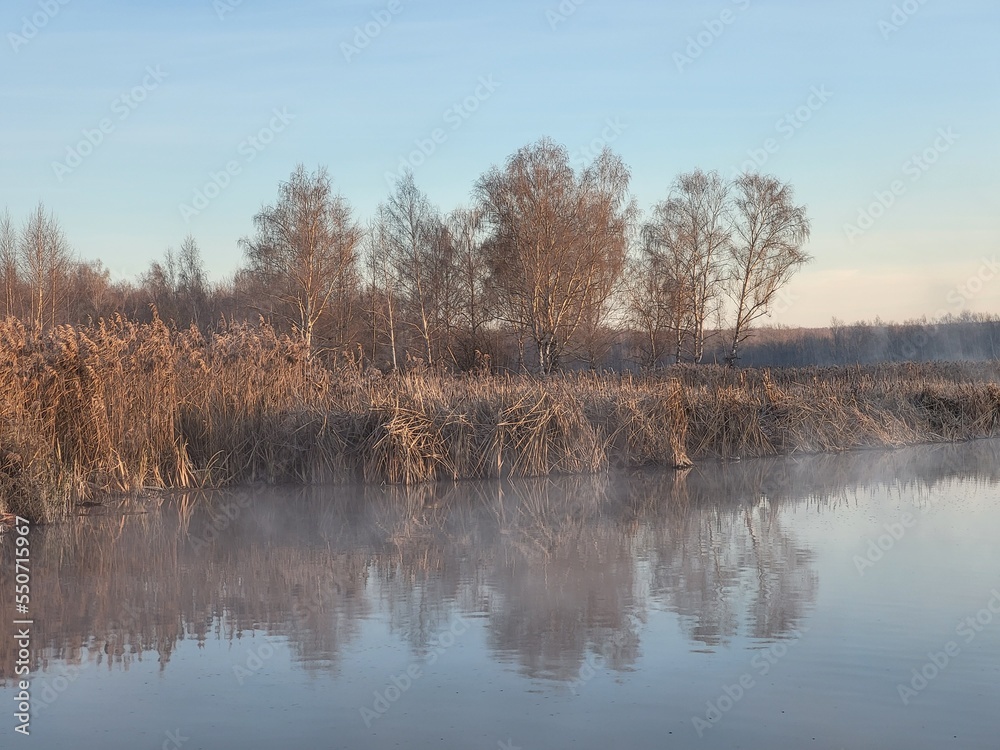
(557, 569)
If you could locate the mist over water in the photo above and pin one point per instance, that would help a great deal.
(787, 602)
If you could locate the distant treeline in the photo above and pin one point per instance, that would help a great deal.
(551, 268)
(547, 269)
(968, 337)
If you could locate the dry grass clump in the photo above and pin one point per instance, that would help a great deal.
(641, 421)
(120, 407)
(401, 443)
(546, 431)
(86, 410)
(433, 427)
(809, 410)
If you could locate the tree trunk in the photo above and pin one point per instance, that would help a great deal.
(734, 354)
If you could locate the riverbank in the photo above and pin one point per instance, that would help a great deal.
(87, 412)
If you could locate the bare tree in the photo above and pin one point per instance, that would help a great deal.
(382, 295)
(693, 222)
(91, 294)
(305, 247)
(558, 243)
(688, 235)
(9, 261)
(653, 306)
(444, 274)
(159, 283)
(45, 260)
(471, 294)
(415, 242)
(769, 231)
(177, 286)
(664, 264)
(596, 336)
(192, 284)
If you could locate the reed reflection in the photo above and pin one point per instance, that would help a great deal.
(557, 568)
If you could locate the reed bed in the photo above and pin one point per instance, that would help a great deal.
(122, 407)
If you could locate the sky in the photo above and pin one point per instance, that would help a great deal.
(139, 125)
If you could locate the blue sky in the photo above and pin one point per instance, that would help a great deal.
(836, 98)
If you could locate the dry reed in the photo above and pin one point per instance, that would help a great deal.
(121, 407)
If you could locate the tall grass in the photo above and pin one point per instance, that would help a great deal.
(121, 407)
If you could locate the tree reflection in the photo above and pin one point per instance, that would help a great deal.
(556, 570)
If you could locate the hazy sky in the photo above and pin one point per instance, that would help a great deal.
(836, 98)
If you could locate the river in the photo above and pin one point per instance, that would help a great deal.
(830, 602)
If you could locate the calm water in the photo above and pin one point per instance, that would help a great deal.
(764, 604)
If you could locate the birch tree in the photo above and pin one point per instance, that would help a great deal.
(653, 307)
(305, 249)
(471, 293)
(9, 262)
(558, 241)
(688, 235)
(412, 233)
(382, 295)
(769, 231)
(45, 261)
